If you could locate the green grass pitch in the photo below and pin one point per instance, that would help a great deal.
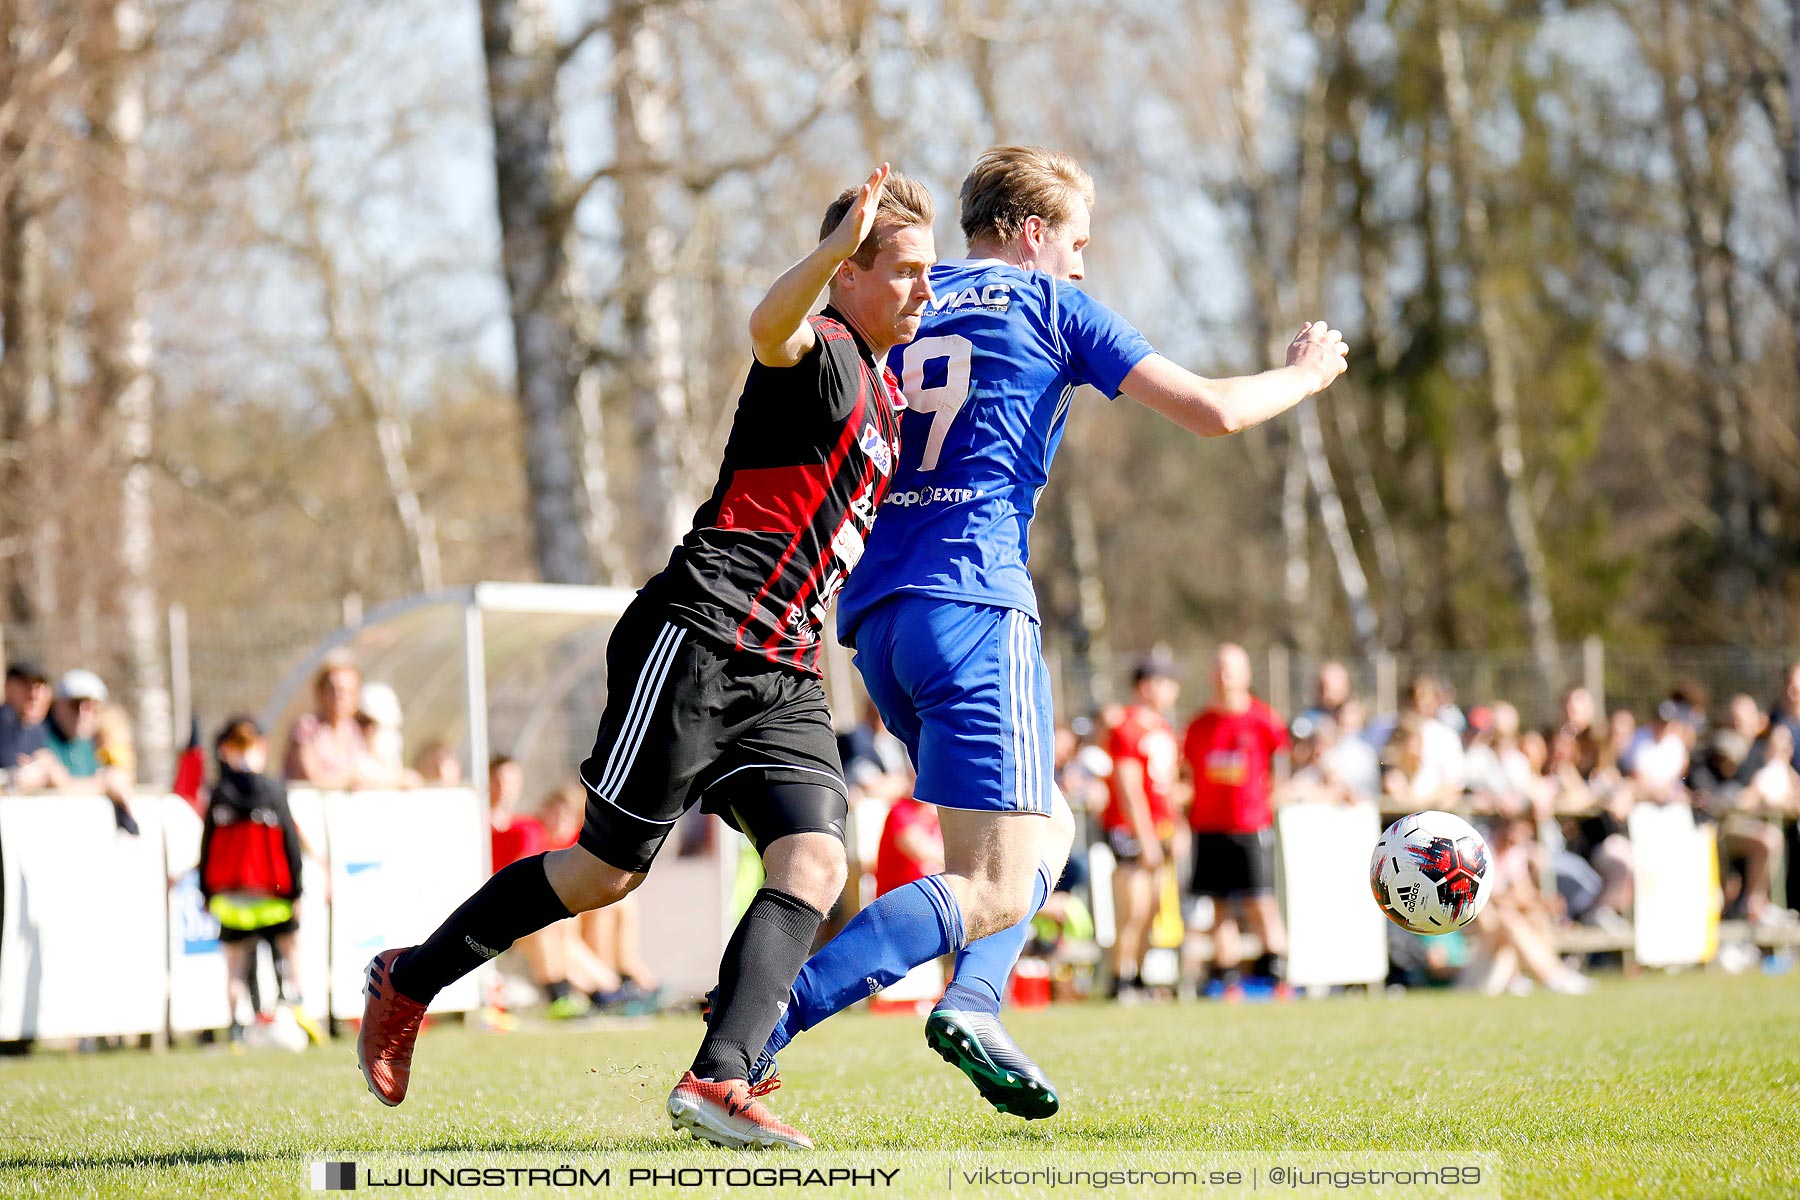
(1662, 1086)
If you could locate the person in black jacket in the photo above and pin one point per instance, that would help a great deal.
(250, 868)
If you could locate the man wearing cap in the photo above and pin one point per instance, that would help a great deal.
(74, 722)
(73, 730)
(1140, 816)
(25, 757)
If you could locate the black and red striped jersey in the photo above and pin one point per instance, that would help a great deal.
(811, 451)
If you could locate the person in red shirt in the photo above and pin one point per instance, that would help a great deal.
(912, 845)
(598, 953)
(1140, 816)
(1229, 750)
(511, 834)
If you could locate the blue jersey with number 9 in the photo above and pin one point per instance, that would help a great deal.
(988, 381)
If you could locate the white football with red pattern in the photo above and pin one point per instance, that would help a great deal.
(1430, 872)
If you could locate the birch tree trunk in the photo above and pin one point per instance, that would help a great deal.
(1401, 601)
(1521, 524)
(1309, 287)
(532, 188)
(1449, 475)
(119, 341)
(649, 301)
(1248, 103)
(1296, 574)
(1307, 464)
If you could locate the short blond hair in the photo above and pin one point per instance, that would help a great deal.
(1010, 183)
(905, 204)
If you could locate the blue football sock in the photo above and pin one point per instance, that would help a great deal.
(908, 926)
(982, 967)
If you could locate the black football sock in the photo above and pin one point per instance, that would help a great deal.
(517, 902)
(765, 953)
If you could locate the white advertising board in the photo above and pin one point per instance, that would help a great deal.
(1675, 913)
(400, 863)
(81, 952)
(1336, 934)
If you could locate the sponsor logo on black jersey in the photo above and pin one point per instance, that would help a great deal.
(877, 448)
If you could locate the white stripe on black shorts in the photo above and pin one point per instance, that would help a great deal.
(689, 721)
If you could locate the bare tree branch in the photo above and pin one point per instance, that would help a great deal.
(703, 177)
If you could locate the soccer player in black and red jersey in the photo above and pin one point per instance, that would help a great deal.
(714, 696)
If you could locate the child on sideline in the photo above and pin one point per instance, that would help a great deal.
(250, 869)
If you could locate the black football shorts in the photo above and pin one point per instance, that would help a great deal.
(689, 721)
(1230, 866)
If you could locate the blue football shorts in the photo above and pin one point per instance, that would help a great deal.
(965, 687)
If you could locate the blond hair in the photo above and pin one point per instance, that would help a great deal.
(334, 663)
(905, 204)
(1007, 184)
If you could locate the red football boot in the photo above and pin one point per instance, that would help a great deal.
(727, 1113)
(390, 1026)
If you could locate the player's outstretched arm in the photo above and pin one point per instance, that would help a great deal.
(779, 331)
(1214, 407)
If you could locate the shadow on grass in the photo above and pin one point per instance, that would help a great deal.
(168, 1158)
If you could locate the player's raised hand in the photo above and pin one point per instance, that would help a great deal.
(1321, 350)
(848, 236)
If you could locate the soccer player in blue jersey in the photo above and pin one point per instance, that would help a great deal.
(941, 610)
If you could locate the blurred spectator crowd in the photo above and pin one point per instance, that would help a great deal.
(1179, 806)
(64, 734)
(65, 737)
(1182, 804)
